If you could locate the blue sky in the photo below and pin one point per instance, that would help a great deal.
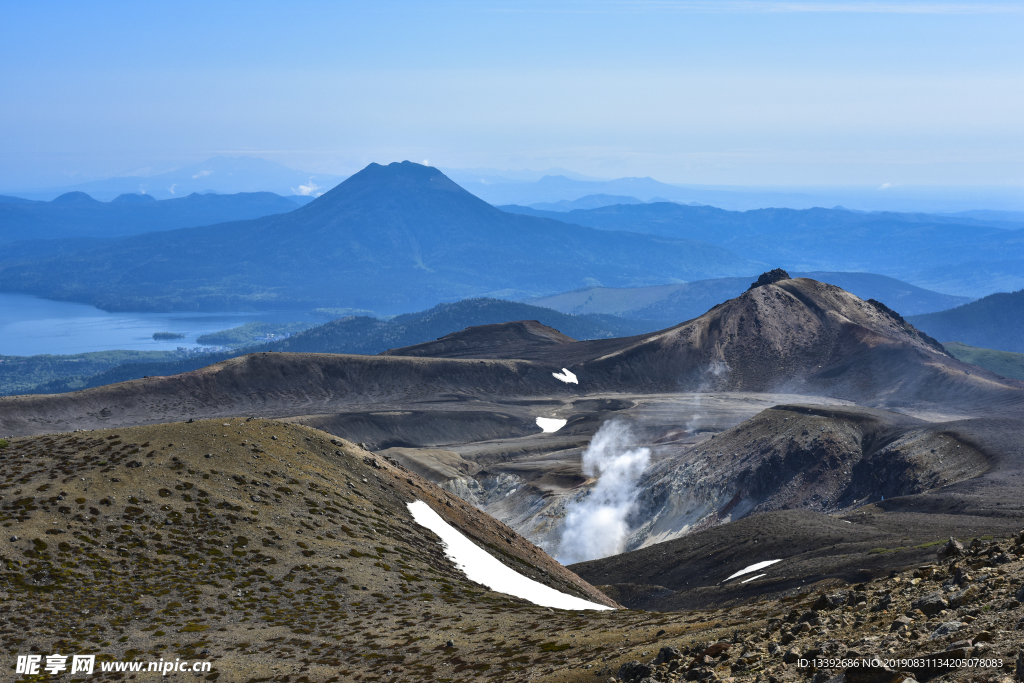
(745, 93)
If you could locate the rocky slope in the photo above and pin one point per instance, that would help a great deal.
(828, 459)
(783, 334)
(509, 339)
(275, 384)
(955, 619)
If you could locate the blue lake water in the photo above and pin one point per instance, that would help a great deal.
(31, 326)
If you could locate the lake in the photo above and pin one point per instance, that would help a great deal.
(30, 326)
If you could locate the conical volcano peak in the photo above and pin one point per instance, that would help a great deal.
(401, 169)
(399, 179)
(403, 172)
(770, 278)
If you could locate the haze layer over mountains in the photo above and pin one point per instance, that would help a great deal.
(433, 241)
(405, 224)
(954, 255)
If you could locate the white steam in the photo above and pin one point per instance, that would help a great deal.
(597, 526)
(712, 373)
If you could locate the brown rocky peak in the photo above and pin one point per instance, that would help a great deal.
(770, 278)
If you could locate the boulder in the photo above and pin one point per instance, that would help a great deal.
(876, 673)
(952, 548)
(634, 671)
(931, 604)
(830, 600)
(901, 624)
(716, 649)
(946, 628)
(964, 597)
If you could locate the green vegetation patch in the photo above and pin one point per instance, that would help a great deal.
(1005, 363)
(252, 333)
(553, 647)
(46, 373)
(335, 313)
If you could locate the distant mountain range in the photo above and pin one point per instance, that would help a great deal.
(682, 302)
(527, 188)
(76, 214)
(957, 255)
(591, 201)
(994, 322)
(225, 175)
(1014, 218)
(388, 239)
(230, 175)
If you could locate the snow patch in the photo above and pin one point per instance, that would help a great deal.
(550, 424)
(481, 567)
(566, 376)
(752, 578)
(753, 568)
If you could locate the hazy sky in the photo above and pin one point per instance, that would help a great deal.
(692, 92)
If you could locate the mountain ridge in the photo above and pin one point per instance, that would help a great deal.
(950, 254)
(684, 301)
(76, 214)
(993, 322)
(404, 224)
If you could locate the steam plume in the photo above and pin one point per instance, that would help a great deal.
(597, 526)
(712, 373)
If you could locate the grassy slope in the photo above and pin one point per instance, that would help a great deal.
(1005, 363)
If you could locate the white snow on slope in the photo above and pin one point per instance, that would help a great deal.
(752, 578)
(565, 376)
(550, 424)
(753, 568)
(481, 567)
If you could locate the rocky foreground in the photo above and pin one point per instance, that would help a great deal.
(958, 619)
(276, 552)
